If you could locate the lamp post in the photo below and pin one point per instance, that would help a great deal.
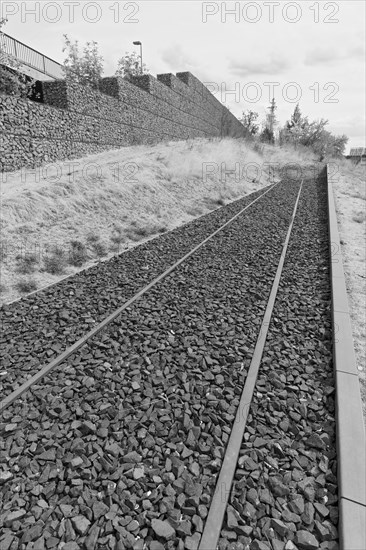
(138, 43)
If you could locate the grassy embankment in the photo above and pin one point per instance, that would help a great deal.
(58, 220)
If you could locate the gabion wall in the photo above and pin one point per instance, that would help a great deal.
(74, 121)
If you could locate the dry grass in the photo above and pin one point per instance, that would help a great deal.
(138, 193)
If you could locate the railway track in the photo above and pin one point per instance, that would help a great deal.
(200, 414)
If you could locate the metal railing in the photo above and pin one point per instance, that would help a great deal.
(30, 57)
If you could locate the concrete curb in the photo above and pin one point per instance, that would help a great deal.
(351, 443)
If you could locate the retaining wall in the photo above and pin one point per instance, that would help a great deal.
(75, 120)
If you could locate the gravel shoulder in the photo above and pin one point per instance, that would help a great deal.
(349, 185)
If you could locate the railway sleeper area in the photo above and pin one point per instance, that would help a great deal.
(121, 446)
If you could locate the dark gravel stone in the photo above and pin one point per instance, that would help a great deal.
(32, 533)
(315, 441)
(163, 529)
(81, 524)
(306, 540)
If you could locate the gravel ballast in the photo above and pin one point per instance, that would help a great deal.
(120, 446)
(285, 491)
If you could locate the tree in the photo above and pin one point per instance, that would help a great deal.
(298, 130)
(85, 68)
(248, 120)
(296, 118)
(12, 80)
(269, 125)
(130, 65)
(295, 128)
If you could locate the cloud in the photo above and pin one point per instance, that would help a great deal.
(358, 51)
(177, 59)
(327, 56)
(272, 65)
(322, 56)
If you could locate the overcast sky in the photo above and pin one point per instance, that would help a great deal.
(309, 51)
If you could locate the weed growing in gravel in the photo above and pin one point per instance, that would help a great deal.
(56, 261)
(26, 286)
(78, 254)
(26, 264)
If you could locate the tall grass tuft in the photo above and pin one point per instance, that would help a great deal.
(55, 262)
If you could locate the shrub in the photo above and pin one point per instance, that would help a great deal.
(55, 262)
(92, 238)
(117, 236)
(26, 264)
(26, 286)
(85, 67)
(78, 253)
(12, 80)
(99, 249)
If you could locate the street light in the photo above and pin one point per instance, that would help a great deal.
(138, 43)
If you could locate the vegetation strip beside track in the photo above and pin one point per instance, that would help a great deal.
(350, 426)
(216, 514)
(81, 342)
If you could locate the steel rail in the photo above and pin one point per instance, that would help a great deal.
(215, 518)
(9, 399)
